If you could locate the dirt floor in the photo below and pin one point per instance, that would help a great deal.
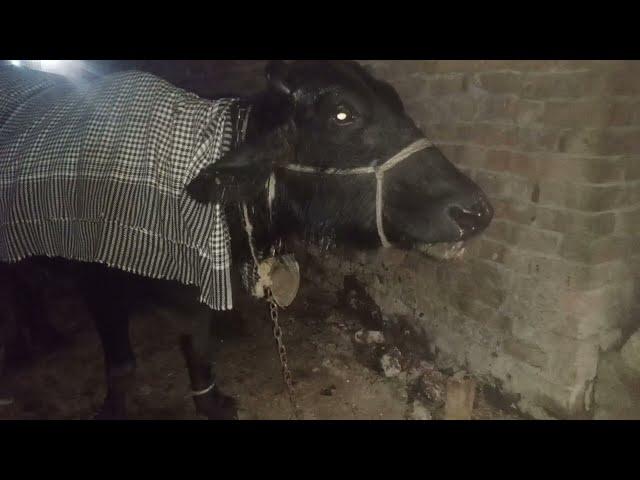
(340, 370)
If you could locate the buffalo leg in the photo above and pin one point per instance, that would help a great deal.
(19, 350)
(120, 363)
(197, 348)
(111, 317)
(6, 319)
(6, 397)
(31, 300)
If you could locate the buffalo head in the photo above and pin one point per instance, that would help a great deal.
(332, 152)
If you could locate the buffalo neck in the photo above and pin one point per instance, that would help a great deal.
(275, 227)
(265, 111)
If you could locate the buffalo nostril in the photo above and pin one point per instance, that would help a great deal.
(471, 212)
(470, 219)
(464, 218)
(479, 209)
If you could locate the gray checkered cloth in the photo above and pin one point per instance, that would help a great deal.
(97, 173)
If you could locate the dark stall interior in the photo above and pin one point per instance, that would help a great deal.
(535, 318)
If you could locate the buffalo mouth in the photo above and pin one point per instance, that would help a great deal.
(445, 251)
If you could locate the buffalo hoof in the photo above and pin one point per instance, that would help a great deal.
(216, 406)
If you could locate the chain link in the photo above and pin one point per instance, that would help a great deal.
(273, 312)
(282, 352)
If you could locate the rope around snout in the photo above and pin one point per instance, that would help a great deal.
(377, 170)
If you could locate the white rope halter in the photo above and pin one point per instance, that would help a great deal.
(378, 170)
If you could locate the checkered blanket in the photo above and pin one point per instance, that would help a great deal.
(96, 172)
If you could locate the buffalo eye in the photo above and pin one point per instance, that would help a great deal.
(343, 115)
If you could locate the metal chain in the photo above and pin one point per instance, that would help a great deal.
(273, 312)
(282, 352)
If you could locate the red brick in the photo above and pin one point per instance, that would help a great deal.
(524, 165)
(535, 240)
(620, 140)
(410, 88)
(593, 198)
(499, 230)
(489, 134)
(427, 111)
(572, 84)
(632, 167)
(610, 248)
(444, 132)
(460, 107)
(574, 221)
(499, 82)
(518, 212)
(625, 79)
(469, 156)
(624, 112)
(529, 112)
(574, 114)
(498, 160)
(597, 141)
(439, 85)
(502, 108)
(501, 185)
(633, 193)
(449, 110)
(586, 141)
(593, 250)
(628, 221)
(584, 170)
(538, 139)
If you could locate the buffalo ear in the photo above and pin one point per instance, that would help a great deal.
(242, 173)
(220, 184)
(235, 177)
(276, 72)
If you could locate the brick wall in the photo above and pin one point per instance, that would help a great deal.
(555, 144)
(554, 283)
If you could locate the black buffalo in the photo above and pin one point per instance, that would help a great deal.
(319, 162)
